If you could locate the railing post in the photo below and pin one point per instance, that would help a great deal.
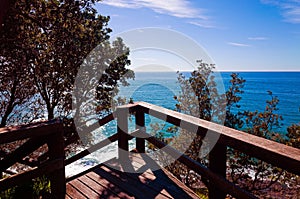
(217, 164)
(56, 151)
(140, 124)
(122, 122)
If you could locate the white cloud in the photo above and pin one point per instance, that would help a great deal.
(258, 38)
(203, 24)
(290, 9)
(238, 44)
(176, 8)
(120, 3)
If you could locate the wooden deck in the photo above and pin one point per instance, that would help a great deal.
(109, 181)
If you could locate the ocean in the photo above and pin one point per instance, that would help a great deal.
(159, 88)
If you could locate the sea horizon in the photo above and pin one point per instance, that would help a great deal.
(247, 71)
(159, 89)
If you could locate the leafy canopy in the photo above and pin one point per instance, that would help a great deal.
(43, 44)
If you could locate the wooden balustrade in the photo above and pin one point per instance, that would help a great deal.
(38, 134)
(279, 155)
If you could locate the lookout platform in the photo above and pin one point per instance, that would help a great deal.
(132, 174)
(109, 180)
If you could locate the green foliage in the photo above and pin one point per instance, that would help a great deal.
(260, 124)
(207, 102)
(202, 193)
(200, 97)
(294, 136)
(234, 118)
(43, 44)
(211, 102)
(39, 187)
(15, 86)
(199, 94)
(7, 194)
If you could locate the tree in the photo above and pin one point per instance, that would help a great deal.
(262, 124)
(16, 87)
(234, 117)
(201, 98)
(294, 135)
(16, 90)
(66, 33)
(199, 94)
(50, 41)
(97, 83)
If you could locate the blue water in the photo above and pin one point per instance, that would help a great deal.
(160, 88)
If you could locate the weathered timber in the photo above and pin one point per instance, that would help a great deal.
(217, 164)
(122, 128)
(31, 174)
(140, 124)
(214, 179)
(110, 181)
(21, 152)
(279, 155)
(56, 151)
(105, 182)
(10, 134)
(50, 133)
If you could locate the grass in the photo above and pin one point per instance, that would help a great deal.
(33, 189)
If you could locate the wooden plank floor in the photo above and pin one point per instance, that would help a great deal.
(109, 181)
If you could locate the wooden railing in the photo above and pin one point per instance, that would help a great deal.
(51, 164)
(279, 155)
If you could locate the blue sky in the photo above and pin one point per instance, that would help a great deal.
(239, 35)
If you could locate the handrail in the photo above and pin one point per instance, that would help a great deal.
(278, 154)
(18, 178)
(10, 134)
(33, 131)
(215, 179)
(18, 154)
(50, 133)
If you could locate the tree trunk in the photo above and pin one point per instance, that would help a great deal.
(50, 113)
(10, 106)
(4, 120)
